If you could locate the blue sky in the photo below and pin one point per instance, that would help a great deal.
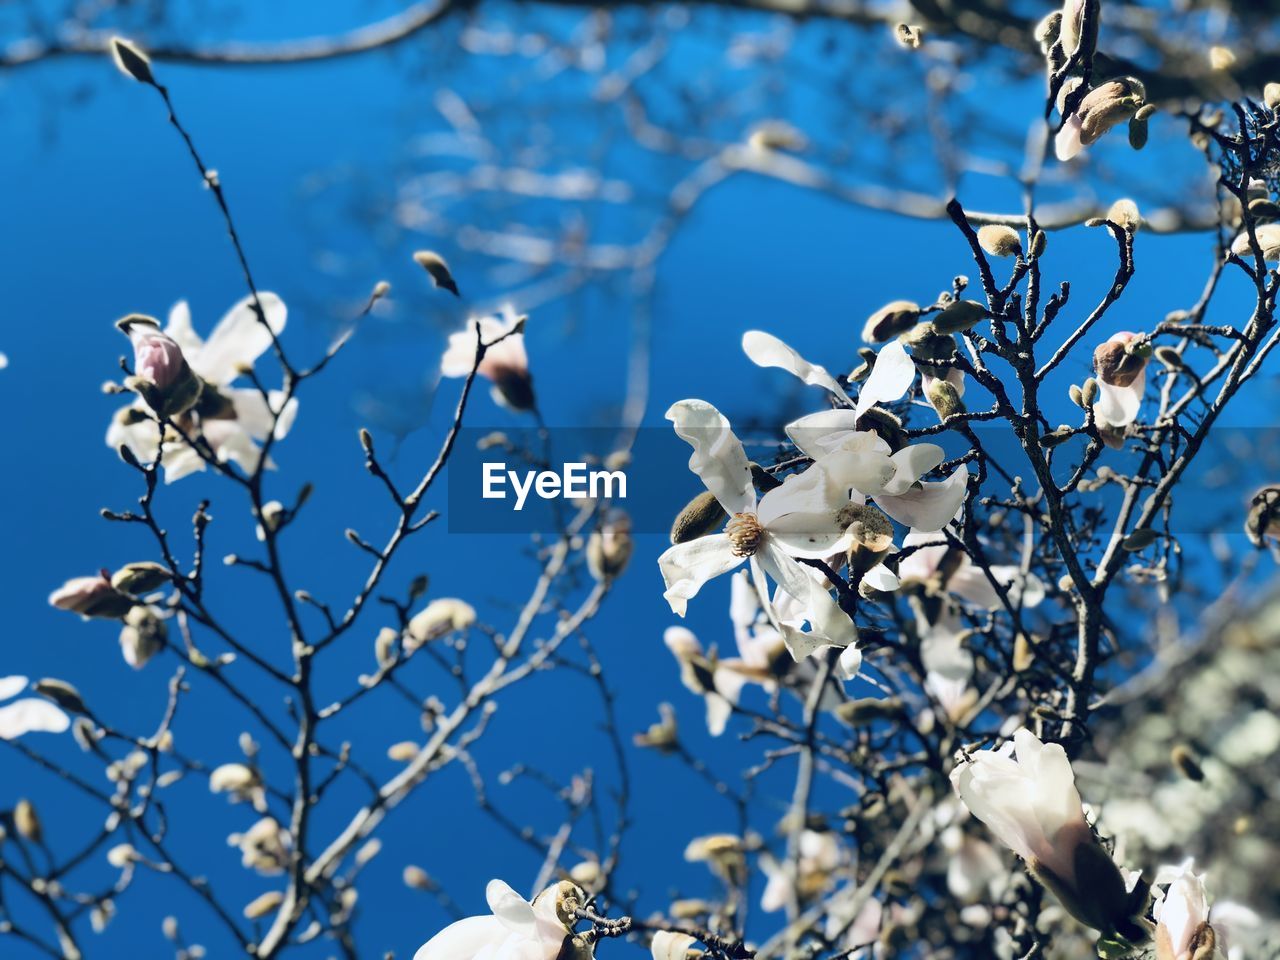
(105, 216)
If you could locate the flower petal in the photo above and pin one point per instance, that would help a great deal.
(464, 940)
(12, 686)
(31, 716)
(830, 626)
(890, 377)
(239, 338)
(910, 464)
(718, 458)
(765, 350)
(1119, 406)
(515, 912)
(687, 566)
(930, 507)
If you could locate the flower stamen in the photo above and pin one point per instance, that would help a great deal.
(745, 533)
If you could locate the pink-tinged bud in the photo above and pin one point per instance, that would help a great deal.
(505, 363)
(92, 597)
(167, 382)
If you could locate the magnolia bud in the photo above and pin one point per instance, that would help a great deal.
(1124, 212)
(384, 647)
(437, 270)
(1023, 653)
(1076, 395)
(866, 710)
(161, 374)
(958, 316)
(122, 855)
(415, 878)
(27, 822)
(1186, 763)
(141, 577)
(1271, 96)
(1089, 392)
(609, 548)
(999, 240)
(701, 516)
(945, 398)
(662, 736)
(1264, 511)
(1117, 362)
(891, 320)
(1221, 58)
(131, 61)
(1039, 241)
(1097, 897)
(143, 636)
(92, 597)
(61, 693)
(927, 343)
(872, 534)
(261, 906)
(1140, 539)
(885, 425)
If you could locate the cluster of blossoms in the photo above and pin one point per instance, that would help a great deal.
(834, 513)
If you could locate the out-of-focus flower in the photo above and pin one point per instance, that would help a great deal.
(669, 945)
(1121, 366)
(1268, 235)
(609, 547)
(233, 420)
(438, 618)
(241, 783)
(516, 929)
(1102, 108)
(820, 855)
(948, 664)
(29, 714)
(719, 682)
(799, 518)
(975, 871)
(505, 363)
(864, 461)
(1026, 795)
(92, 597)
(264, 847)
(662, 736)
(723, 853)
(142, 635)
(939, 568)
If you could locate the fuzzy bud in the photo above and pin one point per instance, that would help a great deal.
(999, 240)
(891, 320)
(945, 398)
(27, 822)
(701, 516)
(958, 316)
(131, 61)
(437, 269)
(609, 548)
(141, 577)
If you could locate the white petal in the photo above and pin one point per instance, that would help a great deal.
(890, 377)
(881, 578)
(515, 912)
(850, 662)
(800, 515)
(817, 433)
(667, 945)
(1119, 406)
(687, 566)
(12, 686)
(1068, 142)
(180, 330)
(929, 508)
(718, 458)
(830, 625)
(910, 464)
(463, 940)
(765, 350)
(31, 716)
(239, 338)
(718, 711)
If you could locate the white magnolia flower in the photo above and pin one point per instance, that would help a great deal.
(719, 682)
(1186, 923)
(29, 714)
(1025, 793)
(234, 420)
(505, 364)
(516, 929)
(264, 847)
(948, 664)
(820, 855)
(866, 461)
(1122, 379)
(799, 519)
(940, 568)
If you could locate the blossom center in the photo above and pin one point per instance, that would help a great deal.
(745, 533)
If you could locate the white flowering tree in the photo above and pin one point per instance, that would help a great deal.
(942, 575)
